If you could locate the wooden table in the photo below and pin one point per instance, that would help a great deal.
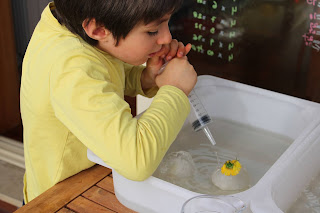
(88, 191)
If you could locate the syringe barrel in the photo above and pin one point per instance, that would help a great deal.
(198, 117)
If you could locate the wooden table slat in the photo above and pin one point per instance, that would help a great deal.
(62, 193)
(107, 184)
(106, 199)
(88, 191)
(83, 205)
(65, 210)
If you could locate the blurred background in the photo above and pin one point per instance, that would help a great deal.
(271, 44)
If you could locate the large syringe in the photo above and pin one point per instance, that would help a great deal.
(199, 118)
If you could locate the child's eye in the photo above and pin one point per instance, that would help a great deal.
(153, 33)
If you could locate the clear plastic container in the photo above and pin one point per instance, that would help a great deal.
(210, 203)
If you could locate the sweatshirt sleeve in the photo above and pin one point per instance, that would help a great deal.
(133, 82)
(89, 104)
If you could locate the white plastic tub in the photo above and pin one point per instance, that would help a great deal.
(289, 170)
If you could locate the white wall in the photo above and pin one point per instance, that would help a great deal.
(143, 103)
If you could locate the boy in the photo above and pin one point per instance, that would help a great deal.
(83, 57)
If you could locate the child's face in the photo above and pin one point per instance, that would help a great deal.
(142, 42)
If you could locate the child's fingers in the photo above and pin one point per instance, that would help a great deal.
(164, 50)
(187, 48)
(181, 50)
(174, 49)
(174, 45)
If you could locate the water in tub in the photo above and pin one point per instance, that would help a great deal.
(309, 200)
(192, 159)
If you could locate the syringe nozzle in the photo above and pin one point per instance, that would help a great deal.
(209, 135)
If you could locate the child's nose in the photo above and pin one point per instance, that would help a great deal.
(165, 37)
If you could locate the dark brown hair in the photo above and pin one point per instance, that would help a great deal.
(118, 16)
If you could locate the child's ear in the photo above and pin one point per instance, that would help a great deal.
(95, 31)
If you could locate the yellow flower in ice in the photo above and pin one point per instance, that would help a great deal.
(231, 167)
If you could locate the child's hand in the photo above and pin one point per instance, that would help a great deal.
(168, 51)
(174, 49)
(179, 73)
